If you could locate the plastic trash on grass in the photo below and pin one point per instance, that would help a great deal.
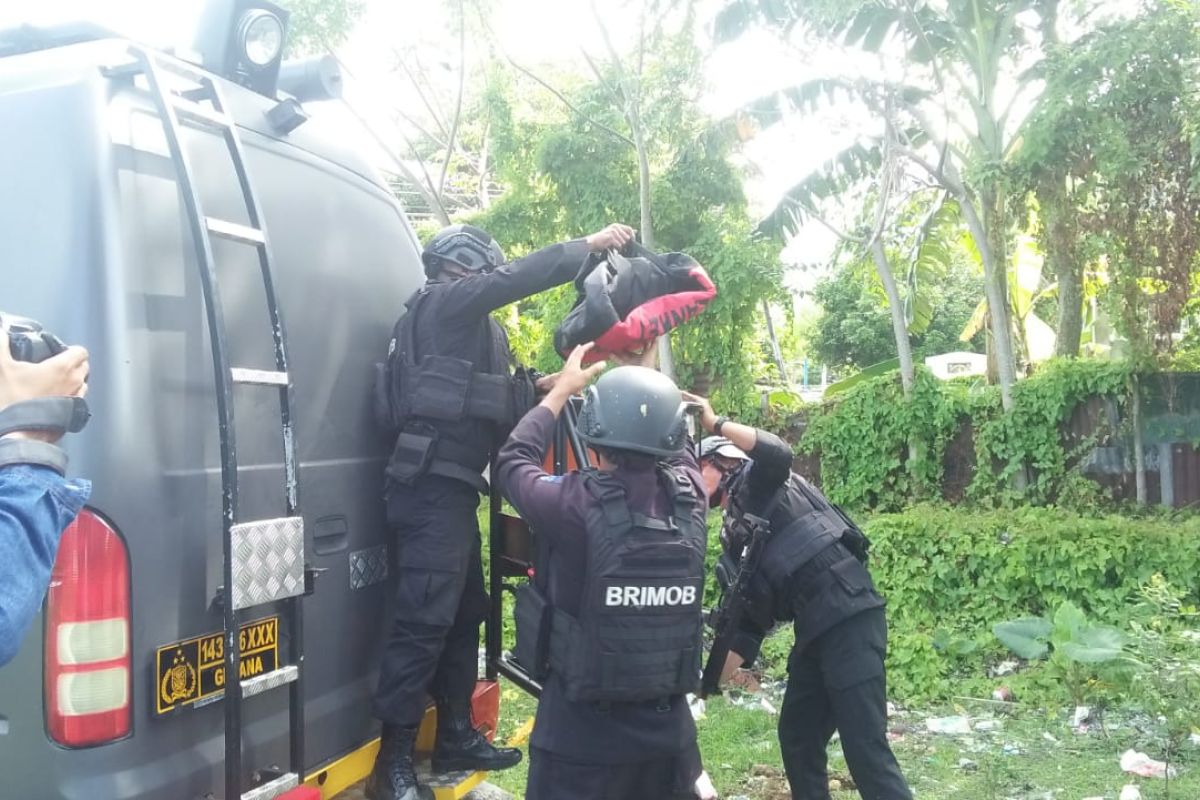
(1136, 763)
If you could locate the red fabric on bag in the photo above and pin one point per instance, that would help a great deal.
(654, 318)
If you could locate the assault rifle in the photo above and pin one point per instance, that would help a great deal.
(726, 617)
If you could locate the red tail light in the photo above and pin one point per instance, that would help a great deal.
(88, 655)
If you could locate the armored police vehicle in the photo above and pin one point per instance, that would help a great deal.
(235, 268)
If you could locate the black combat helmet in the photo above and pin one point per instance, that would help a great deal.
(634, 408)
(471, 248)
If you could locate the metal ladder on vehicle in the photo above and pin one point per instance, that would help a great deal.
(263, 559)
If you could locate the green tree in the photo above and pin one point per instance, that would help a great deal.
(855, 328)
(564, 173)
(955, 55)
(317, 25)
(1110, 158)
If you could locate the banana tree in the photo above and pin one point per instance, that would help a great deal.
(955, 54)
(885, 233)
(1026, 287)
(853, 166)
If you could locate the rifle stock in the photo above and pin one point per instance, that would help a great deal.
(726, 618)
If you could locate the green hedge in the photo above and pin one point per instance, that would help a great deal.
(882, 451)
(960, 572)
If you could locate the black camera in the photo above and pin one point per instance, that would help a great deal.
(28, 341)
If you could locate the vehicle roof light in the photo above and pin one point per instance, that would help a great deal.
(260, 36)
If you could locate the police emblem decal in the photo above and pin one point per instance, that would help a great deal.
(179, 683)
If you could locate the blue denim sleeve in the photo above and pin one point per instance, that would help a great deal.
(36, 505)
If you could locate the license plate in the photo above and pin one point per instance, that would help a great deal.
(192, 672)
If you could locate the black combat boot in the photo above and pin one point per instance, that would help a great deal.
(460, 747)
(394, 776)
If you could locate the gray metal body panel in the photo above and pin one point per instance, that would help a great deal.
(93, 243)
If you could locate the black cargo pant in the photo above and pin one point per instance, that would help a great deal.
(837, 682)
(433, 645)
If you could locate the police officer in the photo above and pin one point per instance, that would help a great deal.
(614, 611)
(448, 394)
(813, 572)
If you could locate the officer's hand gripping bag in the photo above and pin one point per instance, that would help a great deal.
(624, 304)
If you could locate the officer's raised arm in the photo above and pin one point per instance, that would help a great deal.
(487, 290)
(519, 464)
(771, 455)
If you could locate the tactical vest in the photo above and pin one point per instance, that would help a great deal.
(821, 597)
(637, 636)
(414, 394)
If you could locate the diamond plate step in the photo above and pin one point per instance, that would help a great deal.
(268, 560)
(273, 788)
(270, 680)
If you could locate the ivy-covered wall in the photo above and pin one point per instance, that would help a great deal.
(880, 451)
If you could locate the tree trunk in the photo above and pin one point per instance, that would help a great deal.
(995, 284)
(1139, 445)
(485, 198)
(775, 349)
(899, 324)
(1068, 271)
(666, 356)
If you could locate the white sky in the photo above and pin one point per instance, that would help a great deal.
(532, 31)
(538, 32)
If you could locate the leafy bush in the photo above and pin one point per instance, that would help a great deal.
(880, 450)
(864, 438)
(950, 575)
(1079, 645)
(1165, 649)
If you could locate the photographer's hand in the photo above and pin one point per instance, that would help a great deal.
(64, 375)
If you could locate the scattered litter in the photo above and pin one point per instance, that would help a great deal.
(739, 797)
(950, 725)
(1136, 763)
(696, 704)
(1130, 792)
(1096, 797)
(521, 734)
(767, 706)
(745, 680)
(1004, 668)
(1049, 737)
(967, 765)
(1082, 716)
(704, 787)
(1012, 749)
(1195, 739)
(840, 781)
(987, 725)
(891, 709)
(1003, 694)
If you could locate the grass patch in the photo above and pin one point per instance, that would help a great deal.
(1016, 762)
